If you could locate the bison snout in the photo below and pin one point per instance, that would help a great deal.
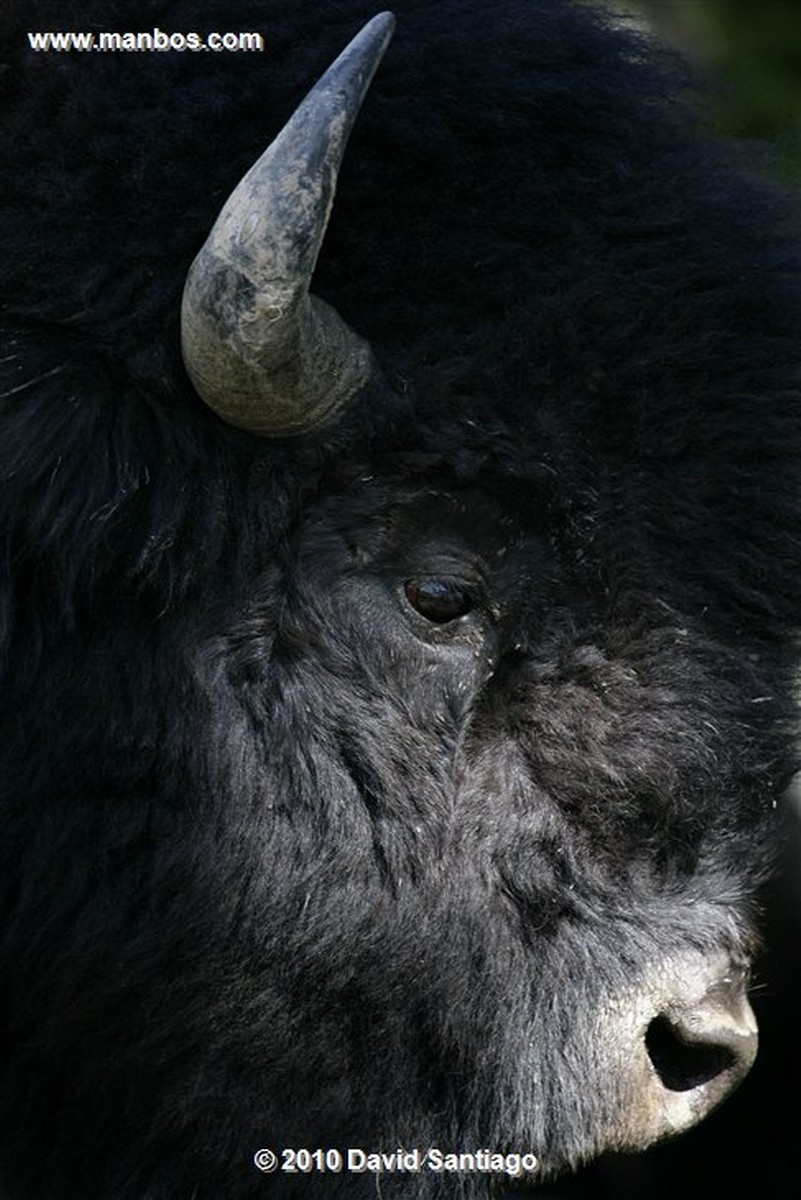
(709, 1045)
(683, 1043)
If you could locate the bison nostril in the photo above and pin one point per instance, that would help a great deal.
(686, 1038)
(681, 1063)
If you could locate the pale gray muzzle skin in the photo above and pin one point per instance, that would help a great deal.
(676, 1046)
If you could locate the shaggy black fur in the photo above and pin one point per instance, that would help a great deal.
(283, 863)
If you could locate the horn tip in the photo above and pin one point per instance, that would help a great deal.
(381, 27)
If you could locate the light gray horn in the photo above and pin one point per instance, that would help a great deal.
(262, 353)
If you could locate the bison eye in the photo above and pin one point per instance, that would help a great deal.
(439, 599)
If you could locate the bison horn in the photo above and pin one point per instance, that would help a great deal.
(261, 352)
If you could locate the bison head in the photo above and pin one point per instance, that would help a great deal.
(543, 807)
(414, 785)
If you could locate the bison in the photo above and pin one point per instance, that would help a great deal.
(396, 599)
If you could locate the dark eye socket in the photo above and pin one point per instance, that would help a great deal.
(439, 599)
